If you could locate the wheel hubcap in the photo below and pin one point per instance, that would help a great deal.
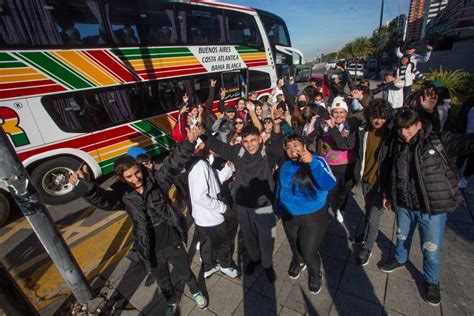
(56, 181)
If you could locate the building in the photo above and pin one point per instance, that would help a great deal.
(456, 19)
(434, 8)
(416, 18)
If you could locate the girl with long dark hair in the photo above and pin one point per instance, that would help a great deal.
(303, 185)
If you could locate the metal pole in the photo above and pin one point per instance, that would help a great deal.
(15, 178)
(381, 16)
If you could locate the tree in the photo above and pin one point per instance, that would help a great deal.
(363, 46)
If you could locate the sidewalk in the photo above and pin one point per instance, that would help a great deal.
(347, 288)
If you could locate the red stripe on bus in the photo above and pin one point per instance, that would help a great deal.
(110, 141)
(30, 91)
(112, 65)
(256, 63)
(24, 84)
(220, 5)
(81, 142)
(171, 74)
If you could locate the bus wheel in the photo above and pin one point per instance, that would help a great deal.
(5, 208)
(51, 179)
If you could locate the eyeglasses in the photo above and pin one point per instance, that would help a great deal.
(294, 147)
(239, 123)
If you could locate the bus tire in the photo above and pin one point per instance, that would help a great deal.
(5, 208)
(51, 180)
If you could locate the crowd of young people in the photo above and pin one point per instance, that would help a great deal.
(295, 158)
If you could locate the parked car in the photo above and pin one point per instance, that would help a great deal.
(360, 72)
(372, 64)
(331, 64)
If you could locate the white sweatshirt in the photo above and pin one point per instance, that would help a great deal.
(204, 188)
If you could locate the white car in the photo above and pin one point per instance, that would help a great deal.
(331, 64)
(359, 73)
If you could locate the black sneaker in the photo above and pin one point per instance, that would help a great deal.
(295, 270)
(315, 284)
(364, 257)
(432, 294)
(251, 266)
(270, 274)
(357, 240)
(391, 265)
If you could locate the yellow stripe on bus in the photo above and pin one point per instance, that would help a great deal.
(165, 122)
(86, 67)
(22, 78)
(17, 71)
(165, 62)
(260, 55)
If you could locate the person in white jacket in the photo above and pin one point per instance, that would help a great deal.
(392, 90)
(415, 58)
(208, 213)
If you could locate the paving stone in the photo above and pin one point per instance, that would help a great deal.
(336, 247)
(131, 281)
(144, 298)
(345, 229)
(133, 312)
(278, 291)
(303, 301)
(452, 304)
(364, 283)
(285, 311)
(225, 296)
(332, 271)
(388, 219)
(406, 297)
(413, 270)
(457, 279)
(196, 311)
(346, 304)
(390, 312)
(186, 305)
(121, 269)
(255, 303)
(459, 252)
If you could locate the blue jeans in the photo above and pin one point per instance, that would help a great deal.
(431, 238)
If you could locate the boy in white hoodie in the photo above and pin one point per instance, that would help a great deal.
(208, 213)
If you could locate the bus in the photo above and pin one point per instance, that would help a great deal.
(82, 81)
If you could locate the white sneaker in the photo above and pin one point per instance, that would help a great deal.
(198, 245)
(462, 183)
(207, 274)
(231, 271)
(339, 216)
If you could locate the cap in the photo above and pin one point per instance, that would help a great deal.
(339, 103)
(230, 108)
(135, 151)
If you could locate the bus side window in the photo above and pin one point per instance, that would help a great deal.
(201, 26)
(259, 80)
(123, 16)
(157, 23)
(242, 29)
(78, 22)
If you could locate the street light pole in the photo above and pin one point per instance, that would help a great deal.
(15, 179)
(381, 15)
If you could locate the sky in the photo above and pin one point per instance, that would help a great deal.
(323, 26)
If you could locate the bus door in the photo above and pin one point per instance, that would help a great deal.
(302, 73)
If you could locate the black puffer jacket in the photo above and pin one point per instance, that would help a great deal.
(423, 174)
(149, 209)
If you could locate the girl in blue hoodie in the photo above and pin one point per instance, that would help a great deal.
(303, 185)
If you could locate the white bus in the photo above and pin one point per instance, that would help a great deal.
(84, 80)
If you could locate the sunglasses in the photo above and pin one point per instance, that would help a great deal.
(239, 123)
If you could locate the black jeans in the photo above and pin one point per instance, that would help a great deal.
(178, 257)
(338, 196)
(215, 243)
(307, 232)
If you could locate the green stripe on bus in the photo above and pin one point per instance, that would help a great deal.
(57, 69)
(155, 133)
(150, 56)
(140, 51)
(15, 64)
(155, 149)
(19, 139)
(6, 57)
(246, 49)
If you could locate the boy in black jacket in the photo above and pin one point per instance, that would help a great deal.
(159, 231)
(422, 190)
(253, 190)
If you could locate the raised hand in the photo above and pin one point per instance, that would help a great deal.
(305, 155)
(184, 109)
(429, 47)
(81, 173)
(331, 122)
(222, 93)
(213, 82)
(250, 106)
(185, 98)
